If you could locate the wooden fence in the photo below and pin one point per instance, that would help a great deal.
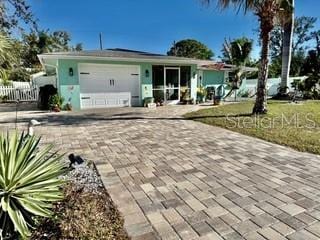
(22, 94)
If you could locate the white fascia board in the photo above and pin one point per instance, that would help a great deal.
(246, 69)
(139, 60)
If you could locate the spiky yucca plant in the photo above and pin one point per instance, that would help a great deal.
(29, 182)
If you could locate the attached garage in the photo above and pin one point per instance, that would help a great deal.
(120, 77)
(109, 85)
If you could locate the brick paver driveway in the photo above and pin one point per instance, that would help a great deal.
(178, 179)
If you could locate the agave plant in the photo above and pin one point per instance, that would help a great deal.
(29, 182)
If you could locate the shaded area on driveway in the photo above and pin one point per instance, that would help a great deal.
(97, 115)
(178, 179)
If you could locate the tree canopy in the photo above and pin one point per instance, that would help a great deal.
(5, 55)
(36, 43)
(237, 51)
(12, 12)
(302, 35)
(191, 48)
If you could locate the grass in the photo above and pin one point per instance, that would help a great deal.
(293, 125)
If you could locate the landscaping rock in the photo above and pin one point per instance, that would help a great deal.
(84, 176)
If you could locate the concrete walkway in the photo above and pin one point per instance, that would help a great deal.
(178, 179)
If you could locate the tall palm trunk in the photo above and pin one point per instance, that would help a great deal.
(266, 25)
(288, 29)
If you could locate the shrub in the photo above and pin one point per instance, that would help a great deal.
(20, 75)
(3, 98)
(29, 183)
(244, 93)
(55, 101)
(201, 94)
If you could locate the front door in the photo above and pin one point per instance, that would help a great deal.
(172, 84)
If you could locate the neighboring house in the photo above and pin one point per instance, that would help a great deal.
(121, 77)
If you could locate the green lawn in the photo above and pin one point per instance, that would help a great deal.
(294, 125)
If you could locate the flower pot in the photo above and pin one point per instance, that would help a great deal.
(56, 109)
(217, 100)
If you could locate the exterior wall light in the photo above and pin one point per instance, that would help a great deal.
(70, 72)
(147, 73)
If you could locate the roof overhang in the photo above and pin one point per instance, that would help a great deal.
(43, 57)
(201, 64)
(220, 66)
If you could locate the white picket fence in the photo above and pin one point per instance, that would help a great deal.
(22, 94)
(21, 84)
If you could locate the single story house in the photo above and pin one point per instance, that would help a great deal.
(121, 77)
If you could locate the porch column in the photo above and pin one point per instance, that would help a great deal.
(194, 82)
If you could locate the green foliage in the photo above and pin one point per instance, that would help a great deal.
(312, 63)
(67, 107)
(6, 56)
(275, 68)
(78, 47)
(43, 42)
(237, 51)
(12, 12)
(3, 98)
(311, 67)
(56, 101)
(297, 62)
(302, 34)
(20, 75)
(29, 182)
(5, 79)
(244, 93)
(201, 94)
(191, 49)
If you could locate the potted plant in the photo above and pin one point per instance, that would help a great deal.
(55, 103)
(217, 100)
(201, 95)
(148, 100)
(68, 107)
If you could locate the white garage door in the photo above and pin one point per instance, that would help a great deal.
(105, 85)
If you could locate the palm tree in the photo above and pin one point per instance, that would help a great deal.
(287, 42)
(237, 52)
(266, 11)
(5, 54)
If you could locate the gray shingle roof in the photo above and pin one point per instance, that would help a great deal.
(118, 53)
(132, 55)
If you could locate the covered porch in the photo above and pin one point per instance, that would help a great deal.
(172, 84)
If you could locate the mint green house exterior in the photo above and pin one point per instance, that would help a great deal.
(117, 77)
(65, 81)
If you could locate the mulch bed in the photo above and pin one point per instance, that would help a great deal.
(87, 211)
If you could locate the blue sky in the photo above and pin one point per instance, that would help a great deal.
(150, 25)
